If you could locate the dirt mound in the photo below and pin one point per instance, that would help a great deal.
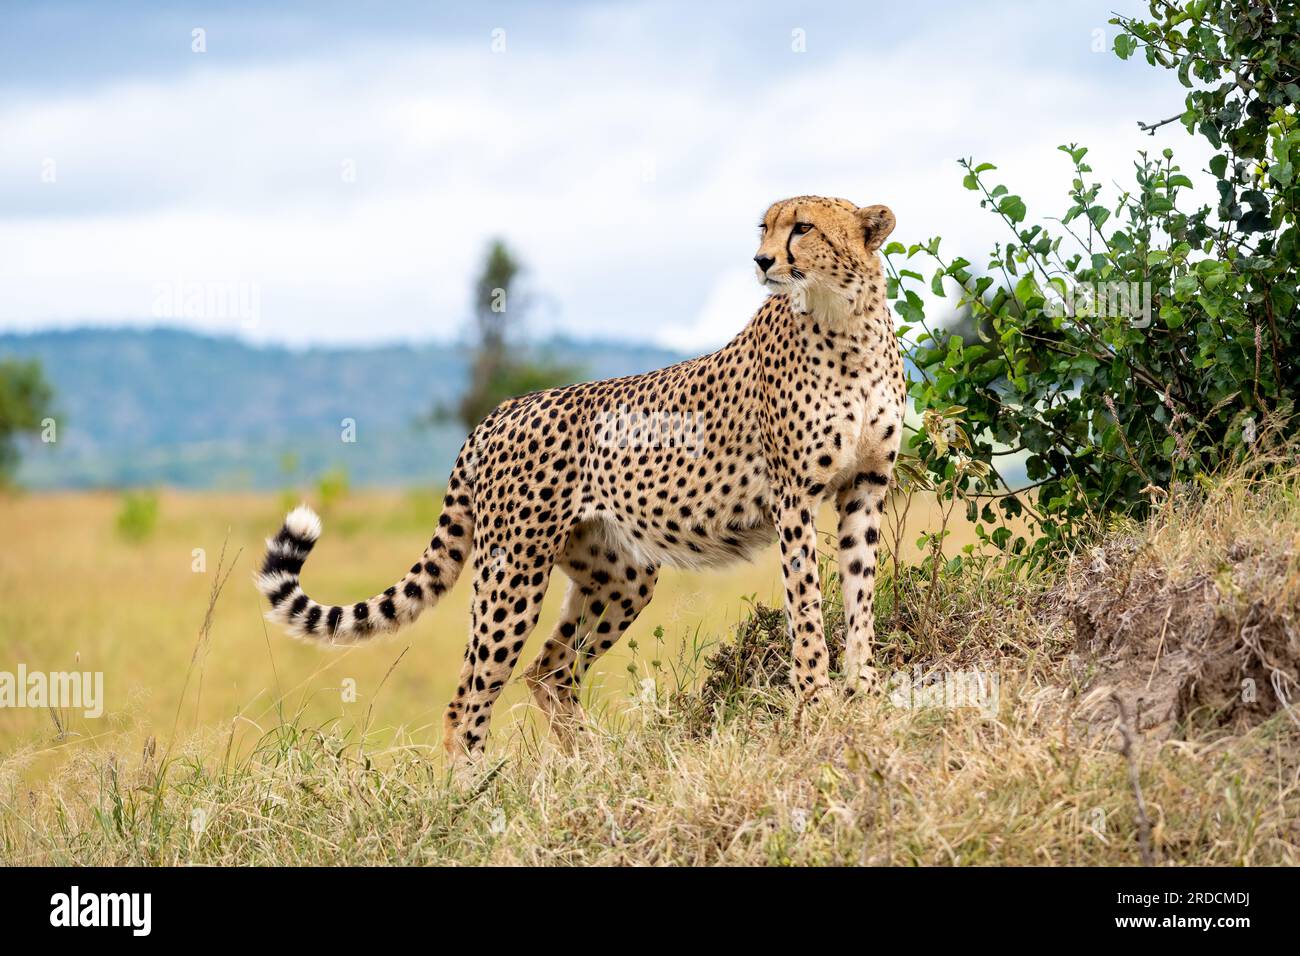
(1191, 632)
(1218, 648)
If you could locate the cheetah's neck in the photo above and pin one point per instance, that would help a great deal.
(859, 313)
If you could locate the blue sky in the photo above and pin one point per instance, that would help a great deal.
(343, 165)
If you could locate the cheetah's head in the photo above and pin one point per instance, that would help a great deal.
(824, 244)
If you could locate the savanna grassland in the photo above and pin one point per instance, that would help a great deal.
(1117, 732)
(78, 591)
(84, 587)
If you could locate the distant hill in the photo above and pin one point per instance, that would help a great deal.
(165, 406)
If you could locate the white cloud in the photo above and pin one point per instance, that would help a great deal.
(628, 166)
(734, 295)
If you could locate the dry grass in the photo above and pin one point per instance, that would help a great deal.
(697, 759)
(858, 783)
(74, 592)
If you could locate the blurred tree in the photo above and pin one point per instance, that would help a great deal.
(25, 403)
(499, 371)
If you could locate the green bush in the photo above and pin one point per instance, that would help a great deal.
(1135, 344)
(137, 516)
(332, 487)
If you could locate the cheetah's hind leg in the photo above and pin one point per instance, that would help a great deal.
(506, 603)
(608, 588)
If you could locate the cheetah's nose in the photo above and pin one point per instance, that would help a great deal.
(764, 263)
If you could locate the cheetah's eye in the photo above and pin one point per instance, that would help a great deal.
(800, 228)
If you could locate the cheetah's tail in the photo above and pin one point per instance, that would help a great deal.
(428, 579)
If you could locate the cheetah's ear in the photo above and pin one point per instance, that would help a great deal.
(877, 223)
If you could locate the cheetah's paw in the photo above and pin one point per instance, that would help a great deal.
(862, 679)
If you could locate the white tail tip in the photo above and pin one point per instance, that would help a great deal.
(303, 523)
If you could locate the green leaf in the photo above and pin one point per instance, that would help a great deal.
(1185, 287)
(1027, 288)
(1013, 208)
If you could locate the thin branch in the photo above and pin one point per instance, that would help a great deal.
(1152, 127)
(1135, 782)
(1012, 492)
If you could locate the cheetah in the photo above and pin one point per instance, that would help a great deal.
(694, 465)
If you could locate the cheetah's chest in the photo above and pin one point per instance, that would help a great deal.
(854, 422)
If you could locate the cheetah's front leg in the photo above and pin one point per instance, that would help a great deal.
(803, 596)
(860, 504)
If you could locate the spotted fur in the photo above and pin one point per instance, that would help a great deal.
(742, 445)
